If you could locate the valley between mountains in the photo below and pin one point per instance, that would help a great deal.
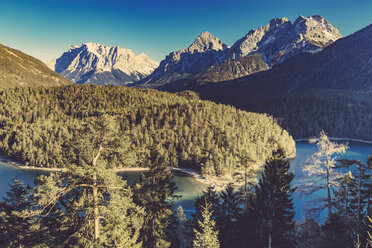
(112, 133)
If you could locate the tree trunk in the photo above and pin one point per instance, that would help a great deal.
(95, 196)
(359, 196)
(329, 190)
(329, 200)
(95, 207)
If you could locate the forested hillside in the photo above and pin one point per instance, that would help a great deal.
(304, 114)
(35, 124)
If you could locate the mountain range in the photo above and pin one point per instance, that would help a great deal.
(344, 65)
(93, 63)
(277, 41)
(303, 73)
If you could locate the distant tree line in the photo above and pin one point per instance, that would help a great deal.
(304, 114)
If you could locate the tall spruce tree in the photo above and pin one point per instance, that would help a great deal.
(273, 204)
(205, 235)
(336, 232)
(17, 230)
(94, 191)
(154, 192)
(228, 217)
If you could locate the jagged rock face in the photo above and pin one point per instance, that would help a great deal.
(204, 52)
(231, 69)
(280, 39)
(346, 65)
(92, 63)
(276, 42)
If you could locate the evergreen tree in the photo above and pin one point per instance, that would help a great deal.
(336, 233)
(273, 204)
(309, 234)
(205, 235)
(16, 230)
(91, 191)
(228, 217)
(154, 192)
(356, 188)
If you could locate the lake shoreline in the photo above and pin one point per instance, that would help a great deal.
(215, 182)
(338, 139)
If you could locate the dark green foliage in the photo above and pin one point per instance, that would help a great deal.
(16, 230)
(305, 114)
(225, 211)
(35, 124)
(229, 214)
(154, 192)
(273, 204)
(92, 204)
(309, 234)
(336, 233)
(207, 237)
(353, 197)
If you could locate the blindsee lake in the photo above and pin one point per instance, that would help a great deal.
(190, 188)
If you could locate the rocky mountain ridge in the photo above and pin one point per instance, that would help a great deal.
(276, 42)
(93, 63)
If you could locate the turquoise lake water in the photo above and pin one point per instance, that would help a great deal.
(189, 188)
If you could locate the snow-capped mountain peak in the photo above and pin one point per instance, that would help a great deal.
(97, 63)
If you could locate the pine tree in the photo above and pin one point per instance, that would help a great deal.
(336, 233)
(228, 217)
(153, 192)
(309, 234)
(91, 191)
(273, 204)
(205, 235)
(17, 230)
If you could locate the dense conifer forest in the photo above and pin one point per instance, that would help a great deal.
(36, 123)
(341, 114)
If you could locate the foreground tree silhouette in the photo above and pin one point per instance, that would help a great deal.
(205, 235)
(273, 204)
(15, 229)
(362, 191)
(154, 192)
(94, 191)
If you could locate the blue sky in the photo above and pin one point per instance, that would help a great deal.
(47, 28)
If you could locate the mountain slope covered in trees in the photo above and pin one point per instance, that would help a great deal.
(35, 123)
(328, 90)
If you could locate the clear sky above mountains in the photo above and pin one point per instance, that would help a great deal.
(46, 28)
